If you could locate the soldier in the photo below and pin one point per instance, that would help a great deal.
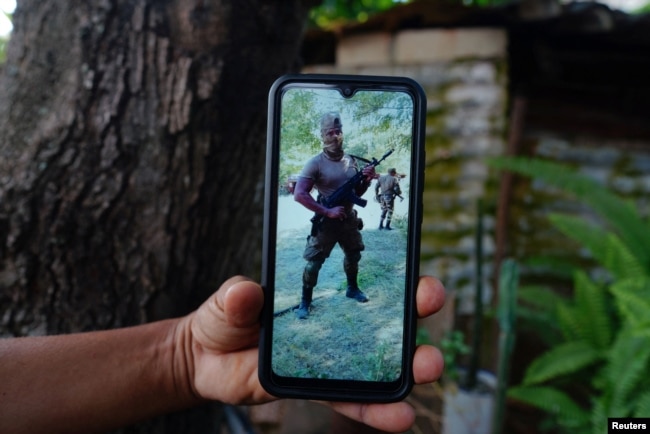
(326, 172)
(386, 188)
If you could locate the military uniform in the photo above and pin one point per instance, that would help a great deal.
(386, 189)
(328, 171)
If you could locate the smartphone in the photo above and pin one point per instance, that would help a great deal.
(343, 206)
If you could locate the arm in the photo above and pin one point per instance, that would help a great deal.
(98, 381)
(83, 382)
(303, 196)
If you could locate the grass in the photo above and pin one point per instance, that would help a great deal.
(341, 338)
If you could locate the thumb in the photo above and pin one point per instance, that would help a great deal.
(229, 319)
(242, 303)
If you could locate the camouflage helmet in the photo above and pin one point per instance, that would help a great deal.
(330, 120)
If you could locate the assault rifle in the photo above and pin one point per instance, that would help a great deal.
(345, 193)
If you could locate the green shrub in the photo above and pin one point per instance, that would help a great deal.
(599, 364)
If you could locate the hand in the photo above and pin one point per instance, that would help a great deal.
(338, 212)
(369, 173)
(220, 345)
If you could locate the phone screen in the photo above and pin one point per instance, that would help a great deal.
(341, 235)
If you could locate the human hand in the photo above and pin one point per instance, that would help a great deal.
(338, 212)
(221, 355)
(369, 173)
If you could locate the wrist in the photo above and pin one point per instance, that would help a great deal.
(181, 362)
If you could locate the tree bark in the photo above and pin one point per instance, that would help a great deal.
(132, 144)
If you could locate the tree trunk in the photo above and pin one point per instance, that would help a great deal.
(132, 137)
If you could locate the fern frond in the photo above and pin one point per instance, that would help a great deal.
(606, 248)
(591, 307)
(627, 367)
(620, 214)
(552, 401)
(599, 415)
(560, 361)
(633, 300)
(549, 266)
(540, 297)
(642, 408)
(536, 309)
(542, 323)
(620, 261)
(587, 234)
(571, 324)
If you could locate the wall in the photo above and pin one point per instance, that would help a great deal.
(621, 164)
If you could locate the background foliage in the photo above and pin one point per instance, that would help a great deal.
(598, 364)
(336, 12)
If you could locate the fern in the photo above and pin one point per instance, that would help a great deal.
(591, 304)
(599, 416)
(553, 401)
(540, 297)
(563, 360)
(642, 408)
(606, 350)
(633, 301)
(607, 249)
(620, 261)
(587, 317)
(620, 214)
(549, 266)
(627, 367)
(571, 324)
(536, 311)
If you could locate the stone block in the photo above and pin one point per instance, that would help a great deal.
(443, 45)
(372, 49)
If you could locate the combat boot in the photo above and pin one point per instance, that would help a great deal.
(356, 293)
(305, 303)
(388, 228)
(351, 267)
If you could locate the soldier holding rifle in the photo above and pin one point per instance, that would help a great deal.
(337, 223)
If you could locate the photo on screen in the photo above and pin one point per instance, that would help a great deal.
(353, 328)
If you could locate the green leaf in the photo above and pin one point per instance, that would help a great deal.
(642, 408)
(590, 236)
(536, 310)
(627, 367)
(552, 401)
(620, 261)
(540, 297)
(560, 361)
(606, 248)
(570, 322)
(591, 308)
(620, 214)
(633, 300)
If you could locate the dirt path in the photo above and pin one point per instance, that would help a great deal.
(341, 338)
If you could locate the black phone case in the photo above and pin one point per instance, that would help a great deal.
(341, 389)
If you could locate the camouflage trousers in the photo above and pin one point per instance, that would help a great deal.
(346, 233)
(387, 203)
